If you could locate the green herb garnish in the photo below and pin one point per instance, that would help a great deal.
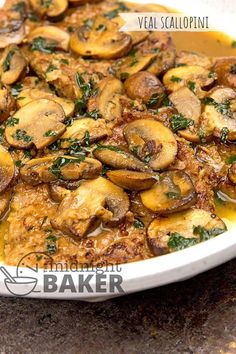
(175, 79)
(154, 99)
(12, 121)
(114, 13)
(101, 27)
(22, 135)
(7, 61)
(231, 159)
(50, 133)
(42, 45)
(132, 55)
(192, 86)
(205, 234)
(178, 242)
(173, 195)
(63, 161)
(95, 114)
(179, 122)
(224, 135)
(233, 69)
(138, 224)
(15, 90)
(86, 138)
(51, 68)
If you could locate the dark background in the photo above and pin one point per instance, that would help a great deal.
(195, 316)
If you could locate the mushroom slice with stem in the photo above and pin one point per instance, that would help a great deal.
(181, 230)
(185, 57)
(152, 142)
(7, 169)
(7, 104)
(95, 130)
(183, 75)
(132, 180)
(12, 65)
(225, 68)
(38, 122)
(106, 103)
(100, 40)
(55, 35)
(51, 8)
(117, 157)
(189, 107)
(30, 94)
(50, 169)
(219, 115)
(95, 200)
(173, 192)
(146, 87)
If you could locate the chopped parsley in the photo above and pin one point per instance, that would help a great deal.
(192, 86)
(62, 161)
(22, 135)
(179, 122)
(32, 16)
(224, 135)
(114, 13)
(87, 89)
(178, 242)
(51, 244)
(222, 108)
(43, 45)
(138, 224)
(27, 154)
(95, 114)
(76, 150)
(12, 121)
(165, 100)
(7, 61)
(51, 68)
(231, 159)
(1, 135)
(46, 3)
(64, 61)
(202, 135)
(212, 75)
(15, 90)
(70, 29)
(154, 99)
(18, 163)
(89, 22)
(175, 79)
(205, 234)
(19, 7)
(110, 147)
(50, 133)
(86, 138)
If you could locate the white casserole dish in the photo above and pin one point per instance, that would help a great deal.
(168, 268)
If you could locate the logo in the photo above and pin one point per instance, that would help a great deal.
(37, 272)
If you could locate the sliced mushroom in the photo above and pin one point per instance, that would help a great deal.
(12, 65)
(134, 63)
(137, 36)
(219, 116)
(39, 123)
(7, 104)
(181, 230)
(31, 94)
(59, 37)
(12, 29)
(97, 129)
(188, 105)
(5, 198)
(173, 192)
(152, 142)
(185, 57)
(118, 158)
(52, 8)
(232, 173)
(132, 180)
(96, 200)
(107, 102)
(101, 40)
(49, 169)
(178, 77)
(146, 87)
(225, 68)
(7, 169)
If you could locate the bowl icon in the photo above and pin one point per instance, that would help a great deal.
(21, 286)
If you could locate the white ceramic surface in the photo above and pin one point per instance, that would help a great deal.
(156, 271)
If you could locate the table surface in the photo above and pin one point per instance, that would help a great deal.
(196, 316)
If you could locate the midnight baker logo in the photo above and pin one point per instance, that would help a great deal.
(58, 278)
